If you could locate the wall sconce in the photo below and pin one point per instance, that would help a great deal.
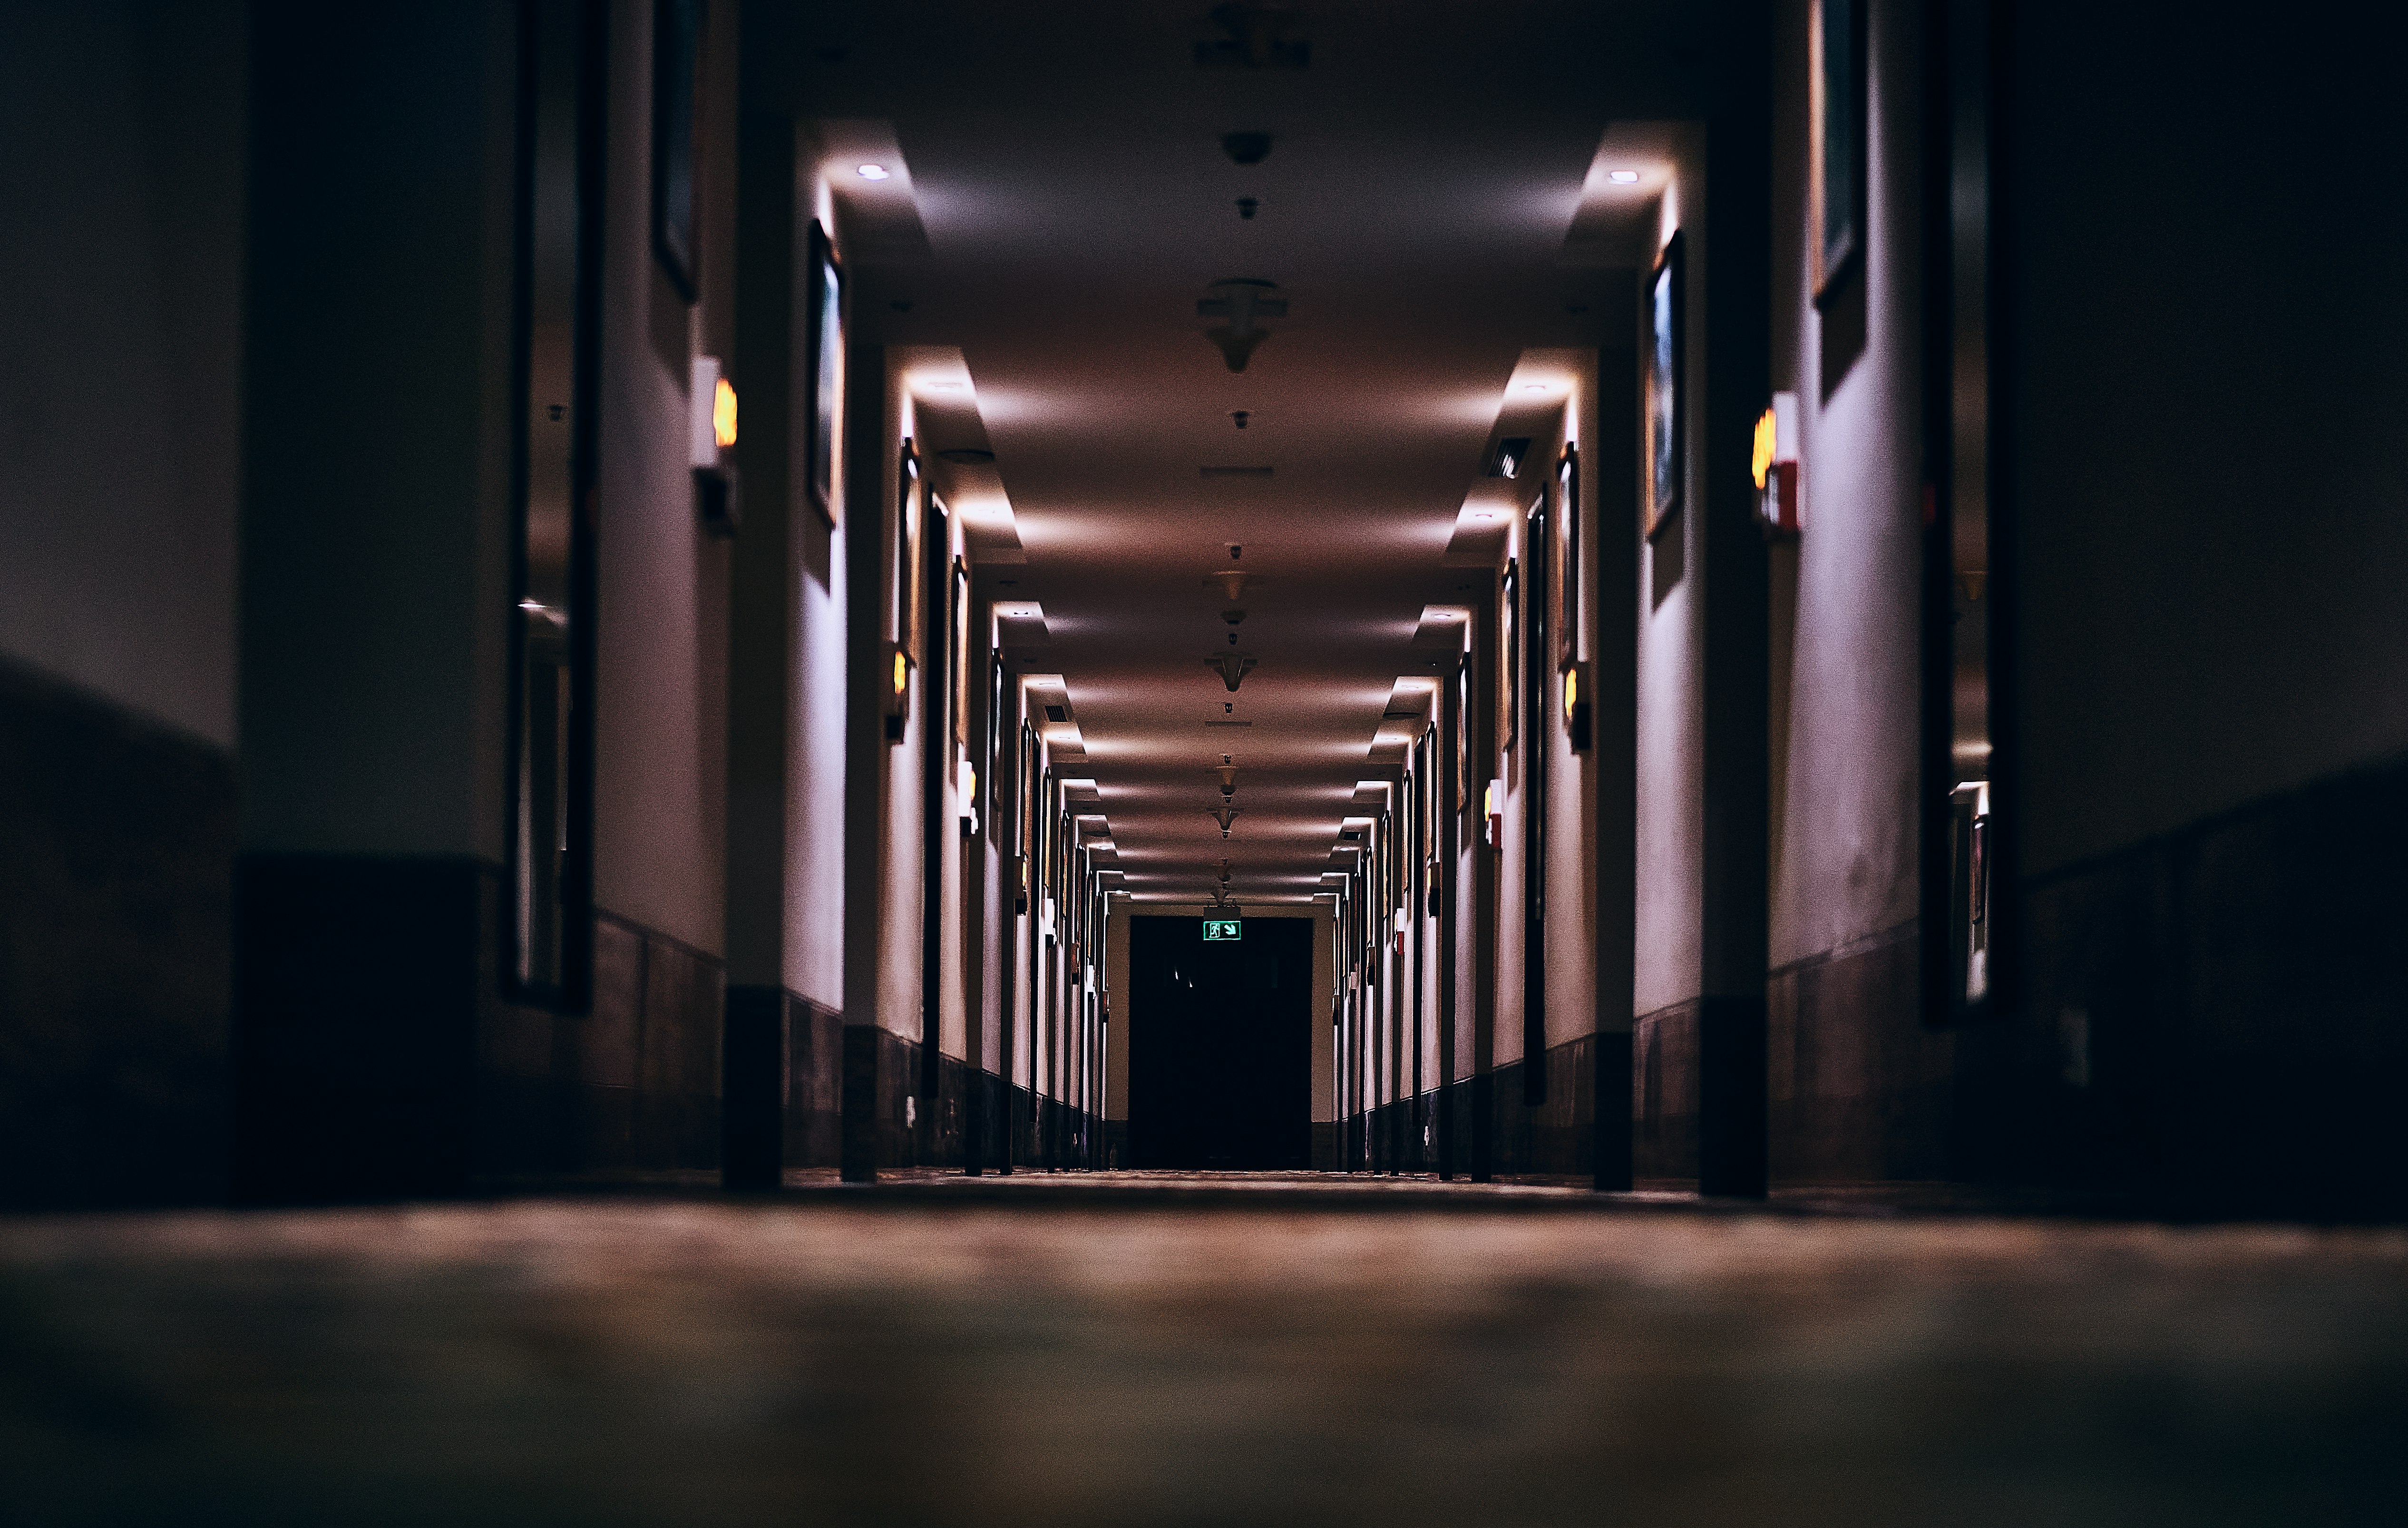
(1577, 727)
(965, 792)
(1775, 467)
(1492, 807)
(1019, 885)
(899, 691)
(718, 500)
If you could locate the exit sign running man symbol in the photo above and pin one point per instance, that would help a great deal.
(1224, 928)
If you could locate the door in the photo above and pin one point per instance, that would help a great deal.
(1220, 1043)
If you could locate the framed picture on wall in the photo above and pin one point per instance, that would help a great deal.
(1509, 653)
(1666, 410)
(1565, 579)
(677, 60)
(1837, 195)
(1459, 724)
(910, 504)
(960, 644)
(826, 319)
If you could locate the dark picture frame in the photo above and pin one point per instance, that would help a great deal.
(1838, 147)
(826, 319)
(1567, 568)
(677, 63)
(1509, 654)
(910, 509)
(958, 624)
(1666, 408)
(1461, 721)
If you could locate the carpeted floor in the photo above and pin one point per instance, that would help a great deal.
(1272, 1354)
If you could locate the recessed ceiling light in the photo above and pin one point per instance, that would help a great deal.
(877, 172)
(1623, 177)
(1534, 387)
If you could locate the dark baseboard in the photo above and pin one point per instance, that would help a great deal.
(974, 1117)
(2218, 1017)
(377, 1055)
(1327, 1135)
(117, 876)
(1857, 1087)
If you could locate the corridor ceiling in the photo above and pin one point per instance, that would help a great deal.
(1066, 166)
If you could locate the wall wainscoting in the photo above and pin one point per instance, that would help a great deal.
(376, 1057)
(117, 855)
(2218, 1017)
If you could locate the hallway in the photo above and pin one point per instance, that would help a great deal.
(1242, 761)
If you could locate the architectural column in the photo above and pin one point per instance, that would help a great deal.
(1732, 263)
(1608, 497)
(866, 506)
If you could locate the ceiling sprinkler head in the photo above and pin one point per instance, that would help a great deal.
(1246, 147)
(1247, 207)
(1241, 416)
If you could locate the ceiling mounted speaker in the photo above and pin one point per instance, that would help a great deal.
(966, 456)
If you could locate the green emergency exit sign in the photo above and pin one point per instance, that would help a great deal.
(1224, 928)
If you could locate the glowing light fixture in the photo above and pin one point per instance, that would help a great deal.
(1623, 177)
(902, 672)
(723, 414)
(1579, 727)
(710, 430)
(872, 172)
(1773, 463)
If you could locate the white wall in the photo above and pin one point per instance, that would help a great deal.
(1846, 726)
(374, 593)
(815, 880)
(2211, 317)
(120, 350)
(661, 682)
(1671, 717)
